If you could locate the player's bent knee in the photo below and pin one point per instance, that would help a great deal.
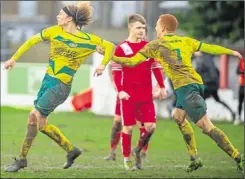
(150, 127)
(205, 124)
(42, 122)
(180, 121)
(127, 129)
(32, 119)
(117, 118)
(179, 115)
(178, 118)
(41, 126)
(175, 116)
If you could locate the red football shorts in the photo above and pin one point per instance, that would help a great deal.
(141, 111)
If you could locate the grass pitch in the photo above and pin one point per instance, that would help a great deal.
(167, 154)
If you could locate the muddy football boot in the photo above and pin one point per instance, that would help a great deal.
(137, 158)
(18, 164)
(240, 165)
(194, 165)
(71, 156)
(143, 156)
(111, 156)
(128, 165)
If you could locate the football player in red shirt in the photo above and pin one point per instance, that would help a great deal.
(116, 77)
(135, 94)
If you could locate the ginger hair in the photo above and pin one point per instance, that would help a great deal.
(169, 22)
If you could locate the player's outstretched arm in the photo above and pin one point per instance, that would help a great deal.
(138, 58)
(109, 49)
(210, 48)
(218, 50)
(26, 46)
(149, 51)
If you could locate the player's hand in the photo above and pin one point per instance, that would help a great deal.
(9, 64)
(100, 50)
(163, 94)
(99, 70)
(123, 95)
(237, 54)
(156, 92)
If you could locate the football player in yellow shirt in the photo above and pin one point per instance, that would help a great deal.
(174, 53)
(69, 48)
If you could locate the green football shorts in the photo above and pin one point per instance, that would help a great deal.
(52, 93)
(190, 99)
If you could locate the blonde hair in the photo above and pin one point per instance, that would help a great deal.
(82, 13)
(169, 22)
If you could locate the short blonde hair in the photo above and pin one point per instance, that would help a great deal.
(169, 22)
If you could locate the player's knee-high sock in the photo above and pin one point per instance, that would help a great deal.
(189, 138)
(115, 135)
(30, 136)
(54, 133)
(126, 144)
(142, 132)
(143, 140)
(223, 142)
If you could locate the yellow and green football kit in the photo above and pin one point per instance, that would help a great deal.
(174, 53)
(67, 53)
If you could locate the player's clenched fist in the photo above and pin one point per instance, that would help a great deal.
(163, 93)
(99, 70)
(123, 95)
(100, 50)
(159, 93)
(156, 92)
(237, 54)
(9, 64)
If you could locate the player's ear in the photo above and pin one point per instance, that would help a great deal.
(69, 18)
(163, 28)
